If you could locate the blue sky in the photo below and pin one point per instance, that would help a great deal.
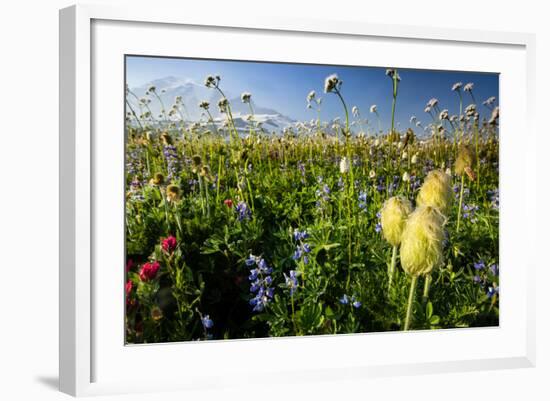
(284, 87)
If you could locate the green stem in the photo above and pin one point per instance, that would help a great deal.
(392, 267)
(393, 102)
(345, 110)
(459, 213)
(427, 284)
(410, 303)
(293, 314)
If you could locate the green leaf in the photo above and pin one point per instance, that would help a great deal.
(429, 310)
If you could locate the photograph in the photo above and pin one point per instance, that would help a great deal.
(273, 199)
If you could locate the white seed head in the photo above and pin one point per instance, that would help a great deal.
(222, 105)
(494, 115)
(470, 110)
(332, 83)
(344, 165)
(432, 102)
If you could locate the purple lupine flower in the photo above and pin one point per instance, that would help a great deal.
(302, 248)
(362, 200)
(494, 269)
(346, 300)
(207, 323)
(244, 213)
(494, 198)
(291, 281)
(479, 265)
(300, 235)
(260, 281)
(172, 161)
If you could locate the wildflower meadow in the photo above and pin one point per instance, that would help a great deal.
(241, 227)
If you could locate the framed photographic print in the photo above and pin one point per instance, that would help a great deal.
(324, 198)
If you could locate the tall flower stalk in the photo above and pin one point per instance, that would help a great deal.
(421, 249)
(213, 82)
(393, 216)
(333, 84)
(392, 73)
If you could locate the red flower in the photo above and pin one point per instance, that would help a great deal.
(129, 265)
(169, 244)
(228, 203)
(149, 271)
(129, 285)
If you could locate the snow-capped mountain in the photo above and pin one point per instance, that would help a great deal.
(193, 93)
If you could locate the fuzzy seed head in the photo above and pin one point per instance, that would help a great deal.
(465, 160)
(393, 217)
(422, 241)
(344, 165)
(197, 160)
(332, 83)
(173, 193)
(158, 179)
(436, 191)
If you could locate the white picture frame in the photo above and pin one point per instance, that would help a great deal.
(88, 366)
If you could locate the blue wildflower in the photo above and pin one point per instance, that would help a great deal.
(250, 260)
(172, 161)
(260, 281)
(244, 213)
(494, 198)
(494, 269)
(291, 281)
(362, 200)
(479, 265)
(300, 235)
(302, 248)
(207, 323)
(346, 300)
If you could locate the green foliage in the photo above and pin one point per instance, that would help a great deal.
(290, 182)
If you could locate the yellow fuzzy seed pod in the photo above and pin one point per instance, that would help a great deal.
(166, 138)
(466, 158)
(173, 193)
(393, 216)
(436, 191)
(158, 179)
(422, 241)
(465, 161)
(197, 160)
